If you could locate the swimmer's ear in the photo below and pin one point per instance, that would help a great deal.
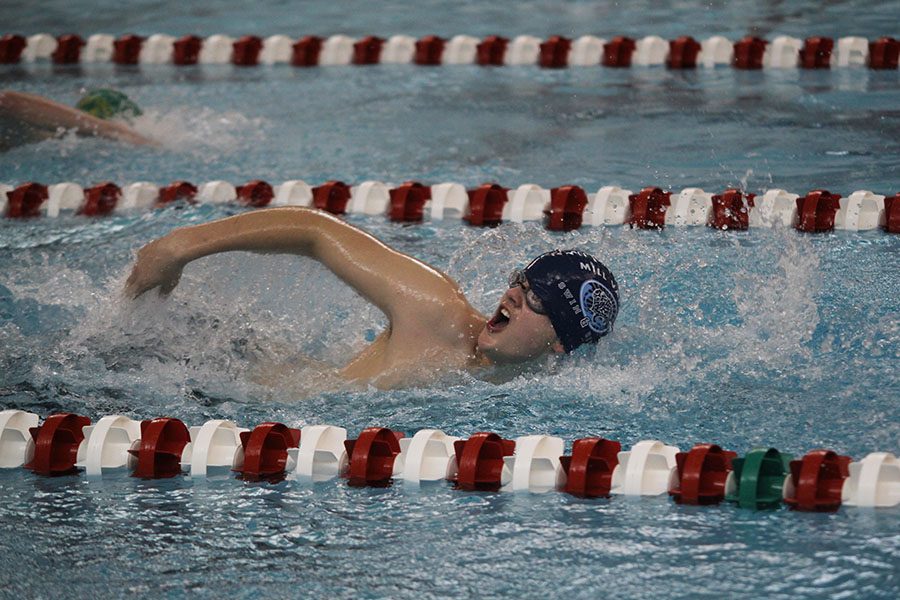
(556, 347)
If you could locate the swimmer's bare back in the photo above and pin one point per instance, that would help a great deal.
(431, 325)
(41, 113)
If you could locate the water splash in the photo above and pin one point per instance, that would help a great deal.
(200, 130)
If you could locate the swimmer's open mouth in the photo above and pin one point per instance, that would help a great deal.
(499, 321)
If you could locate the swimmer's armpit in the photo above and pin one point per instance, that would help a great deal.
(42, 113)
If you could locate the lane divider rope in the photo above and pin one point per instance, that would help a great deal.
(820, 481)
(563, 208)
(555, 52)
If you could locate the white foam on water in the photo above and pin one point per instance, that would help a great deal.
(201, 130)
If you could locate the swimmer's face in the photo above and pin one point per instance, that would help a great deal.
(515, 333)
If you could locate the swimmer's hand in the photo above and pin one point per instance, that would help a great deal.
(158, 265)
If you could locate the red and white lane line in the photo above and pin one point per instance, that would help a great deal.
(563, 208)
(821, 480)
(554, 52)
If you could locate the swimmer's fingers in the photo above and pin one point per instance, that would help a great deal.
(154, 268)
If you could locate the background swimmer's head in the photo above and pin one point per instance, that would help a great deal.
(561, 300)
(106, 104)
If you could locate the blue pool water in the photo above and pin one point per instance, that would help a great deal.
(767, 337)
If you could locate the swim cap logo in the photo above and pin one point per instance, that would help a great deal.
(598, 305)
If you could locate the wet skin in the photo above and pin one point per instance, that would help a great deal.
(432, 328)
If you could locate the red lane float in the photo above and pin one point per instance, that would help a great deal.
(683, 53)
(590, 467)
(408, 202)
(68, 49)
(816, 481)
(177, 190)
(892, 213)
(186, 50)
(245, 51)
(567, 204)
(25, 201)
(127, 49)
(332, 196)
(372, 456)
(816, 53)
(11, 46)
(491, 51)
(486, 205)
(884, 53)
(266, 450)
(617, 52)
(816, 210)
(480, 461)
(306, 51)
(429, 50)
(555, 52)
(56, 444)
(256, 193)
(100, 200)
(648, 208)
(731, 210)
(701, 474)
(367, 51)
(159, 452)
(748, 53)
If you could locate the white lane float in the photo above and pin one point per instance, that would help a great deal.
(448, 200)
(276, 49)
(15, 437)
(650, 51)
(369, 198)
(609, 206)
(535, 466)
(106, 444)
(586, 51)
(157, 49)
(216, 192)
(321, 455)
(427, 456)
(293, 193)
(460, 50)
(40, 46)
(98, 48)
(522, 50)
(337, 50)
(215, 444)
(216, 50)
(526, 203)
(692, 206)
(645, 470)
(398, 49)
(874, 481)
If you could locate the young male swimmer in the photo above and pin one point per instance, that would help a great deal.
(26, 118)
(561, 300)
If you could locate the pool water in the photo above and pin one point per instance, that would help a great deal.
(766, 337)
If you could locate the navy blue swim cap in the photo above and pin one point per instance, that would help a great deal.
(579, 294)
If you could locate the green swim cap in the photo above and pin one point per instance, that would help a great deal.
(106, 104)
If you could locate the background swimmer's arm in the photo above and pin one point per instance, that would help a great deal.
(398, 284)
(47, 114)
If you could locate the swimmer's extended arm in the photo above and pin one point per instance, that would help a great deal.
(398, 284)
(40, 112)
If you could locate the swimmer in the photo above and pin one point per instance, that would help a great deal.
(559, 301)
(27, 118)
